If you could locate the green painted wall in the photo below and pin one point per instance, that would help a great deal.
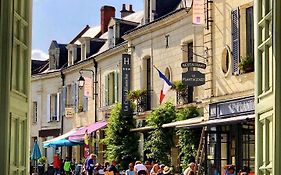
(268, 89)
(15, 46)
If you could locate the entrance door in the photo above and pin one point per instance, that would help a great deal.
(15, 25)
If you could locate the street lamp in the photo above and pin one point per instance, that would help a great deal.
(81, 81)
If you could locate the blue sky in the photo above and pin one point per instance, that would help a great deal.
(61, 20)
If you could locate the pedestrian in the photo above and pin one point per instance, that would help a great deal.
(190, 170)
(90, 162)
(167, 170)
(130, 171)
(230, 170)
(56, 164)
(155, 170)
(112, 168)
(78, 168)
(67, 166)
(140, 169)
(147, 164)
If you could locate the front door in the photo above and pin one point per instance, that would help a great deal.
(15, 32)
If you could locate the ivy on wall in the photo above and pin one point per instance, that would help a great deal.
(160, 140)
(121, 144)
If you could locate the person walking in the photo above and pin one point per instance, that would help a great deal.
(190, 170)
(90, 163)
(56, 164)
(130, 171)
(140, 169)
(67, 166)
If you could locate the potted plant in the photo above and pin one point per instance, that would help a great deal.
(180, 89)
(246, 64)
(136, 95)
(80, 108)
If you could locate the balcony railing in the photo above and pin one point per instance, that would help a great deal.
(182, 97)
(144, 102)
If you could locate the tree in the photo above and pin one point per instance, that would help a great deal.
(160, 140)
(188, 138)
(122, 144)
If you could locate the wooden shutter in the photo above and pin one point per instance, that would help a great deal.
(58, 107)
(116, 86)
(85, 104)
(106, 90)
(235, 29)
(48, 108)
(63, 100)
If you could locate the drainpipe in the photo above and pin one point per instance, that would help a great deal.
(95, 88)
(62, 76)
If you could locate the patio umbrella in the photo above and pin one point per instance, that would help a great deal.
(36, 154)
(62, 142)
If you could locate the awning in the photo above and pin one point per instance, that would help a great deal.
(79, 134)
(62, 142)
(145, 128)
(63, 136)
(230, 120)
(184, 122)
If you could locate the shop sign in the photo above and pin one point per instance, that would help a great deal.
(193, 78)
(198, 11)
(88, 87)
(126, 78)
(193, 64)
(69, 112)
(232, 108)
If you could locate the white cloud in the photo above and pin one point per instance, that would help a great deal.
(39, 55)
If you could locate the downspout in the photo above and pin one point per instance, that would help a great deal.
(62, 76)
(95, 88)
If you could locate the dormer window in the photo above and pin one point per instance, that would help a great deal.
(83, 51)
(72, 54)
(150, 10)
(110, 37)
(85, 47)
(70, 58)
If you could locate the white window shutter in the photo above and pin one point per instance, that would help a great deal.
(58, 107)
(106, 92)
(85, 104)
(48, 108)
(63, 100)
(116, 87)
(235, 29)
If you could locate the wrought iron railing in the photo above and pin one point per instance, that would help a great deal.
(144, 102)
(182, 97)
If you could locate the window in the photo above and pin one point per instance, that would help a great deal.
(69, 96)
(111, 88)
(225, 62)
(249, 32)
(83, 51)
(34, 112)
(70, 58)
(242, 52)
(168, 73)
(54, 110)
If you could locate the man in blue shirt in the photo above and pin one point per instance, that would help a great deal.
(91, 161)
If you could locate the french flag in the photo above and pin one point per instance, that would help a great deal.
(166, 87)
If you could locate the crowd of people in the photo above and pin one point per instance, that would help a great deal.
(91, 167)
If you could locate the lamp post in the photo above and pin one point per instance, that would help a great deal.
(81, 83)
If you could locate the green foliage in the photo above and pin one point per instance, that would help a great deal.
(178, 86)
(136, 94)
(246, 64)
(188, 138)
(42, 160)
(122, 145)
(160, 140)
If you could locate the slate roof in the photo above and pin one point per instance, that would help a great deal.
(38, 66)
(165, 7)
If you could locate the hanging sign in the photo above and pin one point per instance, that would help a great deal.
(126, 78)
(193, 78)
(88, 87)
(198, 12)
(69, 112)
(193, 64)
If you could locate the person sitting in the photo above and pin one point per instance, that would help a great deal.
(130, 171)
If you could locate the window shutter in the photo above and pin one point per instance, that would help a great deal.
(106, 97)
(58, 107)
(235, 28)
(48, 109)
(63, 100)
(116, 87)
(85, 104)
(76, 96)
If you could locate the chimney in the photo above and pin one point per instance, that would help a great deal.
(125, 12)
(107, 12)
